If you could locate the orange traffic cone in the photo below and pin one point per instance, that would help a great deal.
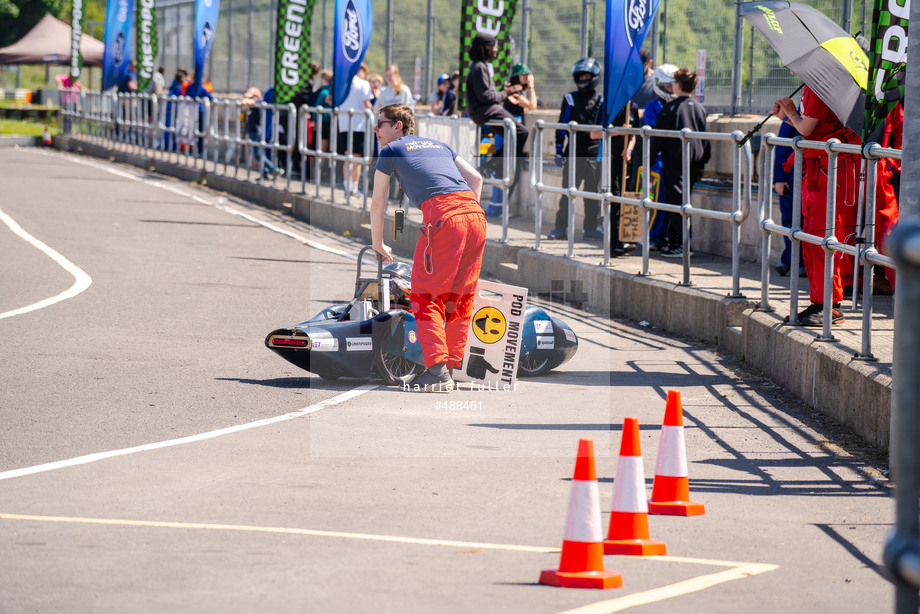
(582, 562)
(628, 533)
(671, 488)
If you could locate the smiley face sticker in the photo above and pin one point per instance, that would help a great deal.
(489, 324)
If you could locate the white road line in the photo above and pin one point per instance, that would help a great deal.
(743, 570)
(81, 282)
(217, 204)
(282, 530)
(91, 458)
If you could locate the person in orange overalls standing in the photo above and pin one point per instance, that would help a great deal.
(448, 256)
(817, 122)
(888, 181)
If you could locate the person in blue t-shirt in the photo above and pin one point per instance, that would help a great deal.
(448, 256)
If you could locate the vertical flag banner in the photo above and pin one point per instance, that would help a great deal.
(887, 61)
(487, 18)
(292, 48)
(354, 23)
(77, 20)
(206, 12)
(627, 24)
(119, 19)
(148, 43)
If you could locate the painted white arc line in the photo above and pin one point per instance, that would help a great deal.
(91, 458)
(82, 281)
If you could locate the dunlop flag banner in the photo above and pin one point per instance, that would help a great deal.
(354, 23)
(148, 43)
(292, 48)
(486, 18)
(77, 20)
(206, 12)
(887, 61)
(119, 19)
(627, 24)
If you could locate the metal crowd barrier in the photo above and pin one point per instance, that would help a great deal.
(741, 191)
(902, 547)
(863, 250)
(150, 122)
(182, 129)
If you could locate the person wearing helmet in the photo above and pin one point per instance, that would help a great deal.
(582, 106)
(483, 101)
(448, 256)
(664, 90)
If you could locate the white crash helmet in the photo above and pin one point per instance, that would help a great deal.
(664, 75)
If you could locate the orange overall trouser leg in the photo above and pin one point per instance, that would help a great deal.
(814, 221)
(445, 271)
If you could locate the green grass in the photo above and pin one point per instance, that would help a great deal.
(24, 128)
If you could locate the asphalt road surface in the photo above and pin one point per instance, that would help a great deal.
(156, 457)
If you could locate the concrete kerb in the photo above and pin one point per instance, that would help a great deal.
(822, 375)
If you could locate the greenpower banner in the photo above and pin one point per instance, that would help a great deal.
(148, 43)
(292, 48)
(77, 21)
(487, 18)
(887, 60)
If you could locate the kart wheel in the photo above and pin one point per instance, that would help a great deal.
(531, 367)
(397, 370)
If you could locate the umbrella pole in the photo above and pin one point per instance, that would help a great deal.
(756, 129)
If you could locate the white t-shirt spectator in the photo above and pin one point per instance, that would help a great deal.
(388, 96)
(359, 93)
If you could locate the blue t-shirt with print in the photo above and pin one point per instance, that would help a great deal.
(424, 167)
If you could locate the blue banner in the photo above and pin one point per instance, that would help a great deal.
(628, 22)
(354, 22)
(119, 23)
(206, 12)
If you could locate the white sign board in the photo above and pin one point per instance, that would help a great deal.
(493, 346)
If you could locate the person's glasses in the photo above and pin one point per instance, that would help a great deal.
(381, 122)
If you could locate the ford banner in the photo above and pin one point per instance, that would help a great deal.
(353, 25)
(206, 12)
(119, 19)
(628, 22)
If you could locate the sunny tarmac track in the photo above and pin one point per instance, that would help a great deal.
(363, 497)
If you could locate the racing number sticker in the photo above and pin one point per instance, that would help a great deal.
(489, 324)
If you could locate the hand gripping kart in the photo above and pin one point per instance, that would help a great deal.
(374, 335)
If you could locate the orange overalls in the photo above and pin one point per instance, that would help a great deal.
(447, 261)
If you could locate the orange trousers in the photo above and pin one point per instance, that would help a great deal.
(814, 221)
(445, 270)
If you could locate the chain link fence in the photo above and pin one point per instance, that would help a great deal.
(422, 38)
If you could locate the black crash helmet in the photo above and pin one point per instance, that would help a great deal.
(587, 66)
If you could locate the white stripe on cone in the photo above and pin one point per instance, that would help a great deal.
(629, 486)
(583, 518)
(672, 453)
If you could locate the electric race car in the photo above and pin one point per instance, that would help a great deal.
(374, 335)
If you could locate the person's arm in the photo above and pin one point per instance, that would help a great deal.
(378, 208)
(784, 108)
(470, 175)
